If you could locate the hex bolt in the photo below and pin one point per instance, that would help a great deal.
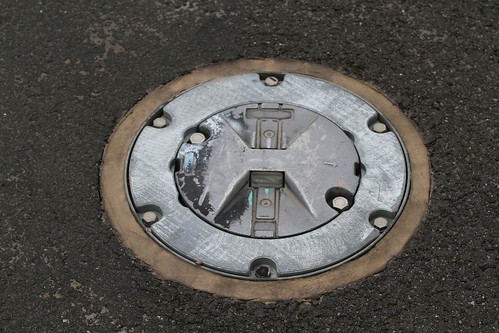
(197, 138)
(265, 202)
(160, 122)
(271, 81)
(149, 218)
(380, 223)
(379, 127)
(340, 203)
(262, 272)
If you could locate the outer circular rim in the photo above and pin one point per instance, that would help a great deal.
(307, 253)
(168, 266)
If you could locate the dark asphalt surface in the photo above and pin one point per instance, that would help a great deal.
(68, 72)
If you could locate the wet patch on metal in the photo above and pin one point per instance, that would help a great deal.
(265, 180)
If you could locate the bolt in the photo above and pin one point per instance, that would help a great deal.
(380, 223)
(379, 127)
(271, 81)
(149, 218)
(265, 203)
(340, 203)
(269, 134)
(197, 138)
(160, 122)
(263, 272)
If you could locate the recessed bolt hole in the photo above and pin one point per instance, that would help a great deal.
(263, 268)
(198, 134)
(379, 127)
(197, 138)
(149, 214)
(149, 218)
(160, 122)
(339, 199)
(271, 81)
(262, 272)
(340, 203)
(377, 124)
(380, 223)
(381, 219)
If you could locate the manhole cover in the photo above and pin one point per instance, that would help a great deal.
(258, 172)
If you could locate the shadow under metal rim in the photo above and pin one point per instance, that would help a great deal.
(170, 267)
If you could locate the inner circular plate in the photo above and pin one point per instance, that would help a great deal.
(345, 174)
(266, 170)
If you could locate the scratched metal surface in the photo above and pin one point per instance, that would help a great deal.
(213, 178)
(382, 185)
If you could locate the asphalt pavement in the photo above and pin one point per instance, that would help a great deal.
(70, 70)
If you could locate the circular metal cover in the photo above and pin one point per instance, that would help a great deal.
(269, 162)
(239, 177)
(263, 170)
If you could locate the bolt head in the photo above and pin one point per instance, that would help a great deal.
(197, 138)
(271, 81)
(160, 122)
(340, 203)
(380, 223)
(149, 218)
(379, 127)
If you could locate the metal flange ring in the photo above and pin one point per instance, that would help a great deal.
(380, 194)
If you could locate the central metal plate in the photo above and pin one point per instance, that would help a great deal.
(273, 179)
(265, 170)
